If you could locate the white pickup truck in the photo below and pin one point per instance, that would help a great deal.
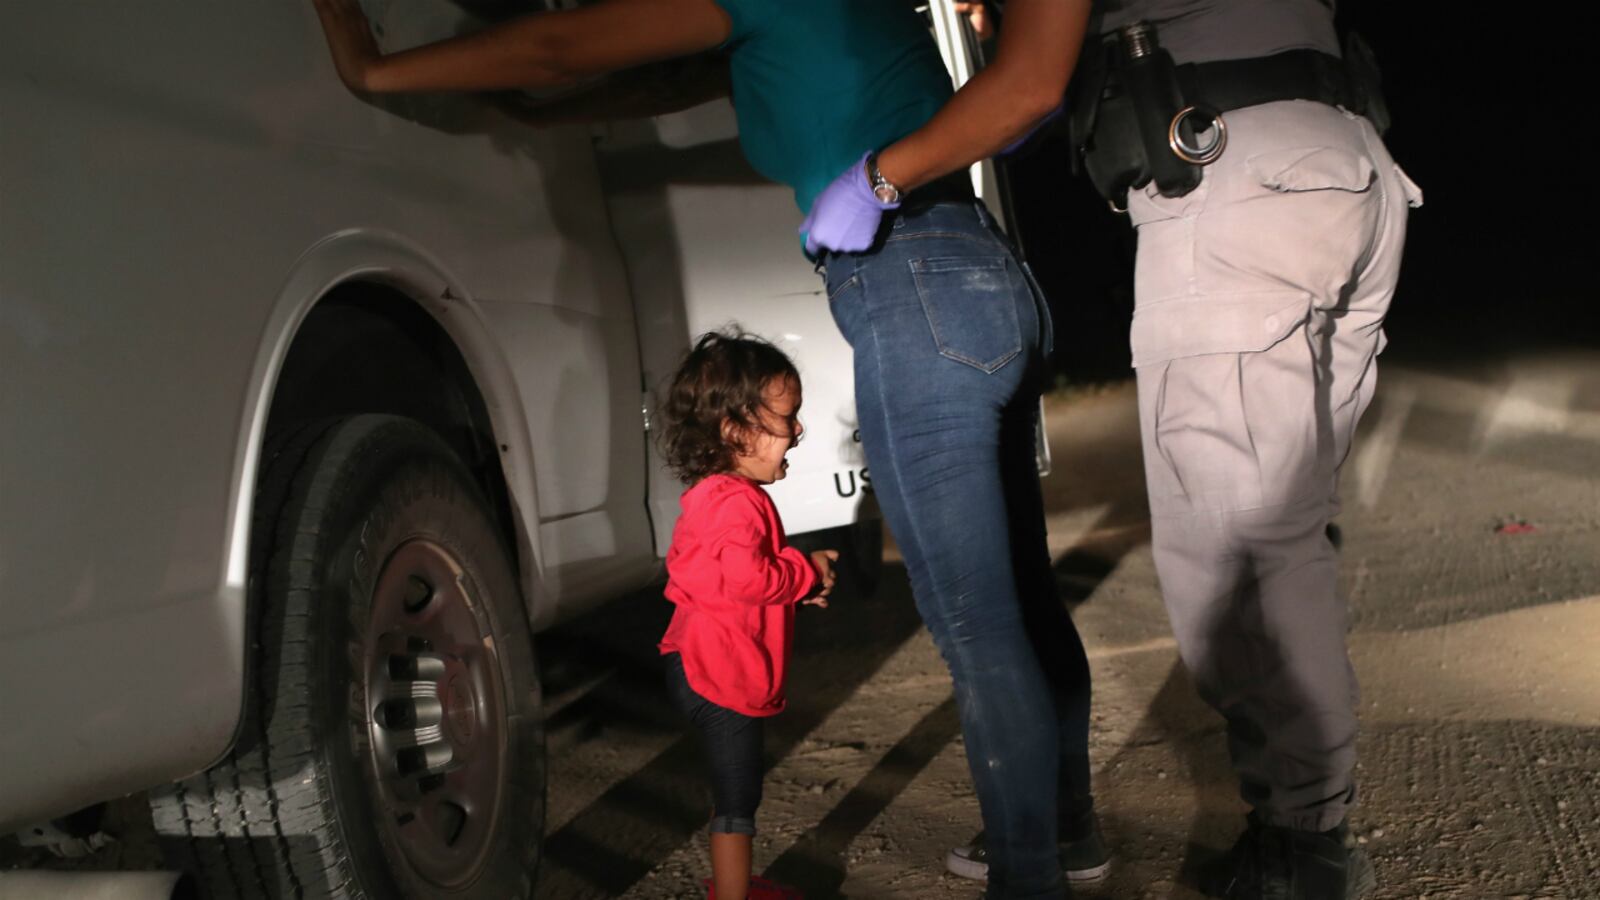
(314, 411)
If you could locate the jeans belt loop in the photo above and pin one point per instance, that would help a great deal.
(983, 213)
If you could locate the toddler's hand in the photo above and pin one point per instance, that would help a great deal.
(823, 560)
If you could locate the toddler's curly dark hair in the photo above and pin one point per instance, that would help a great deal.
(722, 378)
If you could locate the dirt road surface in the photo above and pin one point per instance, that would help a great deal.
(1471, 556)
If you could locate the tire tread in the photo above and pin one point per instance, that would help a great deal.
(262, 822)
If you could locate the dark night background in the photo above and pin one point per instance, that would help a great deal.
(1485, 122)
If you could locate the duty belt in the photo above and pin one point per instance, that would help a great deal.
(1231, 84)
(1137, 117)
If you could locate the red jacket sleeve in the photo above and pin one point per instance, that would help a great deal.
(753, 569)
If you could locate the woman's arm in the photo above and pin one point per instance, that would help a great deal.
(1038, 48)
(541, 50)
(653, 90)
(1039, 44)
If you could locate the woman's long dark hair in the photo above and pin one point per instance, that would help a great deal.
(722, 378)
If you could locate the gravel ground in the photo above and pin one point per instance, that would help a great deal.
(1472, 559)
(1473, 637)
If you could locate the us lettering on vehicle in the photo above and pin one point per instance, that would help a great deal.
(848, 482)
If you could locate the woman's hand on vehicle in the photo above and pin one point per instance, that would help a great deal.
(846, 215)
(558, 48)
(349, 40)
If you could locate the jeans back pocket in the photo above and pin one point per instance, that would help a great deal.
(971, 307)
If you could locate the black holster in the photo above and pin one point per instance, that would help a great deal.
(1122, 104)
(1123, 101)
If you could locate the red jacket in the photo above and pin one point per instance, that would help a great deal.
(735, 581)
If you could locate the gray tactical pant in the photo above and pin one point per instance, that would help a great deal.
(1260, 299)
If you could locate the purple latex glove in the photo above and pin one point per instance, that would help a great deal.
(1038, 126)
(845, 216)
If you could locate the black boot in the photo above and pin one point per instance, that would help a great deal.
(1273, 863)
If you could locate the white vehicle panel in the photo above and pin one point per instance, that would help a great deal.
(180, 189)
(709, 243)
(152, 220)
(578, 379)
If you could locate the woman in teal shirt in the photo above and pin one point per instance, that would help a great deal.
(948, 334)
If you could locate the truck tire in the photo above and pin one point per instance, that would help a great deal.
(391, 743)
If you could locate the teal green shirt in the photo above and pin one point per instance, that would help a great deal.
(817, 83)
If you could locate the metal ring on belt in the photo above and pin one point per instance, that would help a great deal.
(1199, 156)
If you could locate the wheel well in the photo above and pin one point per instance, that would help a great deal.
(369, 348)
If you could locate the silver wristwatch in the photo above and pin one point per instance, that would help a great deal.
(885, 191)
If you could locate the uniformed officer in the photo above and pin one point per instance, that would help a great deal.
(1269, 245)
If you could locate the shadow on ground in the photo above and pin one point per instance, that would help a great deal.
(660, 806)
(640, 821)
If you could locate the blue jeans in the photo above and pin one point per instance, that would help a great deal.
(950, 335)
(732, 743)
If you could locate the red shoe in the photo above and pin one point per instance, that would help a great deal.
(766, 889)
(760, 889)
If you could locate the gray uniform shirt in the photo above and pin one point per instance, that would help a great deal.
(1206, 30)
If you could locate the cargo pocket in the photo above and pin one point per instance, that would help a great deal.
(1295, 169)
(1204, 324)
(971, 308)
(1229, 397)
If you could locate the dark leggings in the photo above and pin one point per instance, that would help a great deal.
(733, 749)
